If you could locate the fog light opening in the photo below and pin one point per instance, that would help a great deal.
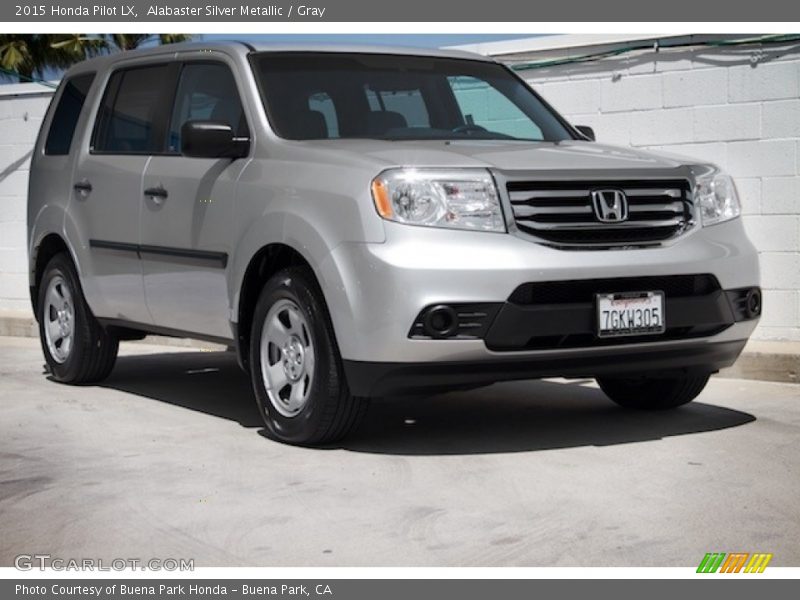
(753, 303)
(441, 321)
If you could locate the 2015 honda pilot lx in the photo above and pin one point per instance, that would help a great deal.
(365, 222)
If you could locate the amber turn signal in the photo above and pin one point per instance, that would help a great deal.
(380, 195)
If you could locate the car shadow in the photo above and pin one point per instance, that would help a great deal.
(509, 417)
(207, 382)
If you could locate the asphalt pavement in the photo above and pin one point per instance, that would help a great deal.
(167, 459)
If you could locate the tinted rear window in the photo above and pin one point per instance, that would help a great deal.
(131, 119)
(65, 117)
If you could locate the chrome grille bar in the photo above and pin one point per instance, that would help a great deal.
(562, 212)
(593, 224)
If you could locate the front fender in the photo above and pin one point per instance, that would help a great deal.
(312, 208)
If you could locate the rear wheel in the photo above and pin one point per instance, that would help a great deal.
(76, 347)
(653, 393)
(296, 370)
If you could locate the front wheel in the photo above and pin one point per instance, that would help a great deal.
(296, 370)
(653, 393)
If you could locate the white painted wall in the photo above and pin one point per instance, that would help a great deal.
(22, 107)
(712, 105)
(717, 105)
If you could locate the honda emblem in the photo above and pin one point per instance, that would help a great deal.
(610, 206)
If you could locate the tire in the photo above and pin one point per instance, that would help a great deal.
(292, 340)
(654, 393)
(86, 352)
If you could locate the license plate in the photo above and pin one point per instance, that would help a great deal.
(630, 313)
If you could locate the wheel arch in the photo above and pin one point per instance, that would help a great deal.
(267, 261)
(48, 247)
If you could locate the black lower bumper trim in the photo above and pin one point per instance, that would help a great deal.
(386, 379)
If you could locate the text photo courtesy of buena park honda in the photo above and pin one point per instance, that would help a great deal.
(438, 300)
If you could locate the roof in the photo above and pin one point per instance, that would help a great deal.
(236, 47)
(368, 49)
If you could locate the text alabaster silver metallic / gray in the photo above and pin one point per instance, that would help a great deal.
(420, 11)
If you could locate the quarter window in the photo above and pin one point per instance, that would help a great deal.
(65, 117)
(128, 122)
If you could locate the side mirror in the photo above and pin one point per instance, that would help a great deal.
(586, 132)
(212, 139)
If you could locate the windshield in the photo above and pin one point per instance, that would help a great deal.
(324, 95)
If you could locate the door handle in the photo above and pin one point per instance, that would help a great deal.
(83, 187)
(158, 194)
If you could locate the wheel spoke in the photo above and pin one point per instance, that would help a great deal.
(296, 396)
(276, 377)
(309, 360)
(276, 332)
(295, 322)
(66, 345)
(54, 299)
(54, 330)
(65, 294)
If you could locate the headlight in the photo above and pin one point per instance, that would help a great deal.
(715, 195)
(452, 198)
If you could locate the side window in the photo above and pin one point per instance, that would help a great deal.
(485, 106)
(128, 122)
(206, 92)
(65, 117)
(322, 103)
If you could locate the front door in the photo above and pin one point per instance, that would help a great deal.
(188, 212)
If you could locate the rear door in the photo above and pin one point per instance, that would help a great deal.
(188, 208)
(107, 197)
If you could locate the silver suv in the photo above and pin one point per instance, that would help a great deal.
(366, 222)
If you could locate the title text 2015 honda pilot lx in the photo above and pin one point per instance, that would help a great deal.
(363, 222)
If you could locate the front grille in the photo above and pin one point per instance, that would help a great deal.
(562, 213)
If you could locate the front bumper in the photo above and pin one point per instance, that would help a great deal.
(374, 292)
(386, 379)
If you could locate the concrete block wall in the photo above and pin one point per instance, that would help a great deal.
(22, 108)
(737, 107)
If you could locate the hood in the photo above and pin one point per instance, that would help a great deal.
(571, 155)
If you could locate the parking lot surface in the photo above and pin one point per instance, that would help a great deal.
(167, 459)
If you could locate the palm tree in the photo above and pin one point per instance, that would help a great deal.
(79, 45)
(23, 57)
